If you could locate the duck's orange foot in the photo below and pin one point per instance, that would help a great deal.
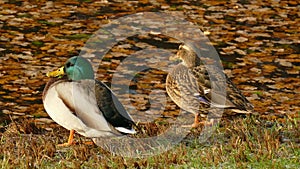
(70, 140)
(195, 125)
(66, 144)
(196, 122)
(89, 143)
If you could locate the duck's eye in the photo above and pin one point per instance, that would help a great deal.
(69, 64)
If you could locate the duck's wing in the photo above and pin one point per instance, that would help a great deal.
(113, 110)
(195, 89)
(218, 89)
(73, 105)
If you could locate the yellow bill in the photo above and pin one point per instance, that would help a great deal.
(57, 73)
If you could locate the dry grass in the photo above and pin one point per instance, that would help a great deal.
(239, 143)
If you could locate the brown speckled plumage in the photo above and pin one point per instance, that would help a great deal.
(191, 87)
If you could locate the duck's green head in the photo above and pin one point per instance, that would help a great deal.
(76, 68)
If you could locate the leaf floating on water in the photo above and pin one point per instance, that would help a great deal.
(20, 56)
(240, 52)
(284, 63)
(29, 98)
(241, 39)
(256, 70)
(269, 68)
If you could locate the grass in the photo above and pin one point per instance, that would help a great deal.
(249, 142)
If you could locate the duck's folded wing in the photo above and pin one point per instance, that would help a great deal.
(197, 89)
(218, 89)
(113, 110)
(237, 98)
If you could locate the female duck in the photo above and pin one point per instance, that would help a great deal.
(190, 86)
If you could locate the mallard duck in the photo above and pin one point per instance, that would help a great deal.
(78, 102)
(190, 86)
